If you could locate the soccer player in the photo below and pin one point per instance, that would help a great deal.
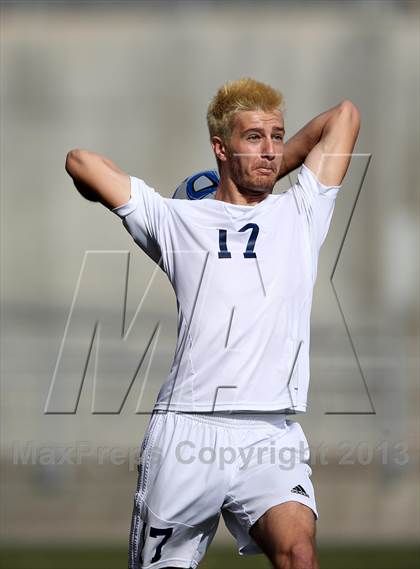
(243, 266)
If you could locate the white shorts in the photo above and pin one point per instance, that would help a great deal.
(194, 467)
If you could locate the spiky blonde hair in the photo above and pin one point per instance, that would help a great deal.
(244, 94)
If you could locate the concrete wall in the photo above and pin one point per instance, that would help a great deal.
(133, 82)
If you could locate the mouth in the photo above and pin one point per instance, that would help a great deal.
(265, 170)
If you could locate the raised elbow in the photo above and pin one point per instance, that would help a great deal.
(74, 159)
(349, 111)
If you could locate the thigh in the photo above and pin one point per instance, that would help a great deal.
(165, 544)
(285, 528)
(173, 520)
(277, 474)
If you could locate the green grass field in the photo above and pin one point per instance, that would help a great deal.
(217, 558)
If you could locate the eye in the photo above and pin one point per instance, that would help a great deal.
(278, 137)
(253, 137)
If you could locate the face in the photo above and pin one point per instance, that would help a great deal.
(252, 156)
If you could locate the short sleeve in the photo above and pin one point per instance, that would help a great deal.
(145, 217)
(316, 201)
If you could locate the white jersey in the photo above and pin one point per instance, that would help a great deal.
(243, 277)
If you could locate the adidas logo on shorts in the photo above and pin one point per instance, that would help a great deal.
(299, 490)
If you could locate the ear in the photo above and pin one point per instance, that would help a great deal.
(219, 148)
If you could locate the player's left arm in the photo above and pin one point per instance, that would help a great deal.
(329, 159)
(333, 131)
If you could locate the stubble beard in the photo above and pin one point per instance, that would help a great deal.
(251, 184)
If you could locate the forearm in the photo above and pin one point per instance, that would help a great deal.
(298, 146)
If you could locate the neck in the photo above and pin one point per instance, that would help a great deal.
(229, 192)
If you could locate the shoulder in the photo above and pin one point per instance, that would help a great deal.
(308, 180)
(142, 197)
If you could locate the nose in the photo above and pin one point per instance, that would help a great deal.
(267, 150)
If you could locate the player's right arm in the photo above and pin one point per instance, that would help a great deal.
(144, 211)
(97, 178)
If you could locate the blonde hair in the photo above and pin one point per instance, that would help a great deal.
(244, 94)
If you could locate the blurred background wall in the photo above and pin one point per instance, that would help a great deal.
(132, 81)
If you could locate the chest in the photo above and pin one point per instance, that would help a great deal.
(243, 257)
